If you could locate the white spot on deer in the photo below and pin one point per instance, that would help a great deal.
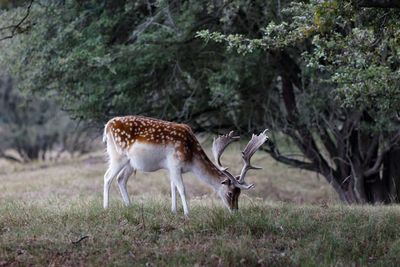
(179, 154)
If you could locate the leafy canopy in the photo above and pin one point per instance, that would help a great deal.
(140, 57)
(353, 51)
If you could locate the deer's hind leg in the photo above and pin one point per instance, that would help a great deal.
(173, 197)
(113, 170)
(122, 180)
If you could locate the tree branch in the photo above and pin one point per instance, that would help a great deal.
(274, 152)
(328, 142)
(377, 3)
(16, 27)
(372, 149)
(378, 162)
(375, 169)
(10, 158)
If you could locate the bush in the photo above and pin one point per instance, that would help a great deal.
(35, 127)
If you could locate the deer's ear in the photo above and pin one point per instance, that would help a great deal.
(227, 181)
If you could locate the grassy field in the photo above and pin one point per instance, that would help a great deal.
(51, 214)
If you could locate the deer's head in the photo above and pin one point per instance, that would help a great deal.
(232, 185)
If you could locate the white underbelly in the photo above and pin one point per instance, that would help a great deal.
(148, 158)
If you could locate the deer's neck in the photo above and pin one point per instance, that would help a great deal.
(206, 170)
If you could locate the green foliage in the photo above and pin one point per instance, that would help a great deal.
(339, 70)
(133, 58)
(98, 65)
(353, 51)
(138, 59)
(362, 68)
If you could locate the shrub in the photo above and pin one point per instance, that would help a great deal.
(36, 128)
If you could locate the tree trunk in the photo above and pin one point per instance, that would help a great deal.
(391, 176)
(340, 147)
(374, 190)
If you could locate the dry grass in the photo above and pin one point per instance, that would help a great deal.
(81, 177)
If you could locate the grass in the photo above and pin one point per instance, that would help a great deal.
(148, 234)
(51, 214)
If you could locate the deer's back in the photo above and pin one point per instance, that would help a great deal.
(137, 132)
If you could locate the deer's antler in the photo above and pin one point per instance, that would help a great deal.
(219, 146)
(254, 144)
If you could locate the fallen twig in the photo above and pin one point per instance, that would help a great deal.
(80, 239)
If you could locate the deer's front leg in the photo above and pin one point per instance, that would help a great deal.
(176, 178)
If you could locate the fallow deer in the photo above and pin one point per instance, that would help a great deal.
(147, 144)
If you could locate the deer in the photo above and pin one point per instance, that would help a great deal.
(137, 143)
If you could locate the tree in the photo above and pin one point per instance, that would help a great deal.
(139, 58)
(322, 75)
(339, 69)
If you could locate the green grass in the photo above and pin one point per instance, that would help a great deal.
(147, 233)
(291, 218)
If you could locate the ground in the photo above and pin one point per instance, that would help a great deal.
(51, 214)
(83, 176)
